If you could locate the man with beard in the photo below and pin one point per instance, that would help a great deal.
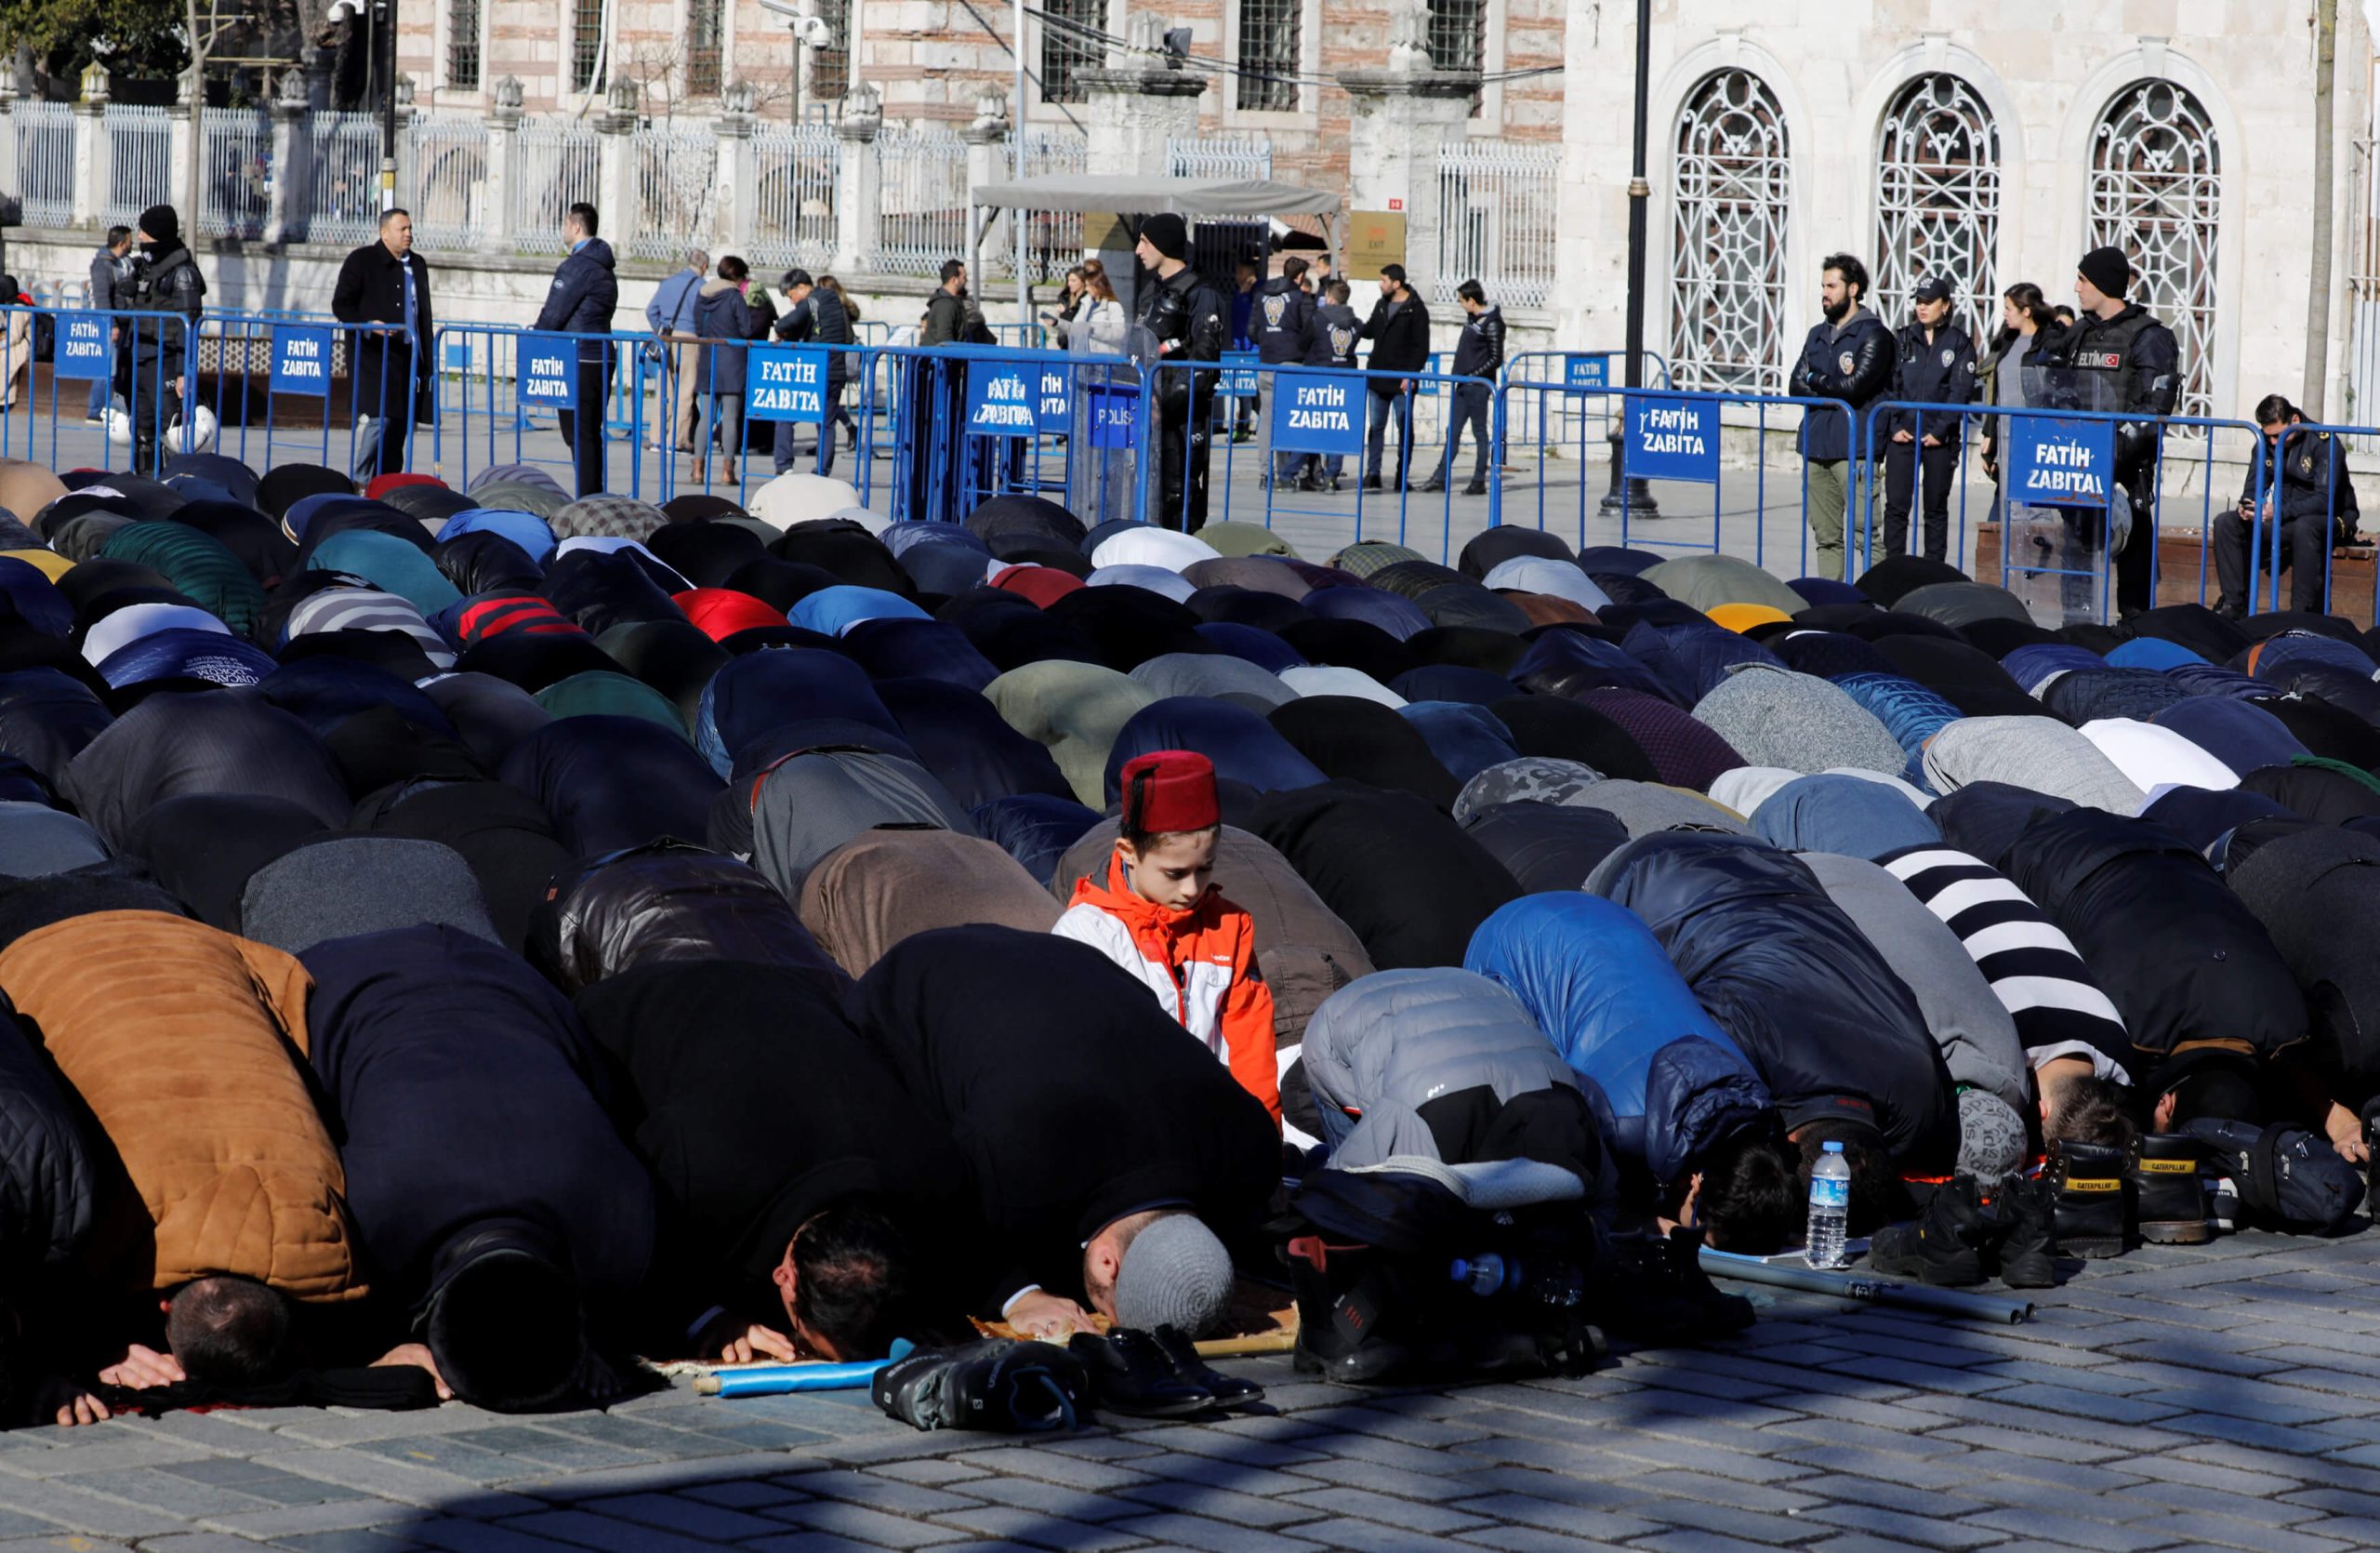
(1849, 356)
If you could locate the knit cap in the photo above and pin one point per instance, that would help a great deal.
(1176, 1274)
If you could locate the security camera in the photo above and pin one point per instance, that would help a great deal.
(342, 10)
(813, 32)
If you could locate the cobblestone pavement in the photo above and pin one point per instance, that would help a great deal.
(2214, 1398)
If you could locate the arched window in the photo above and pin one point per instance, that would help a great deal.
(1733, 184)
(2156, 192)
(1937, 201)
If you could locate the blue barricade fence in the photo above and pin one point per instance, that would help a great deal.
(1565, 412)
(498, 383)
(2318, 453)
(1318, 419)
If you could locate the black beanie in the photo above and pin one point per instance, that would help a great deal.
(161, 225)
(2107, 269)
(1168, 234)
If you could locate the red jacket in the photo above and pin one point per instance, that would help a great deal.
(1199, 963)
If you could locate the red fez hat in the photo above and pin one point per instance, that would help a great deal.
(1168, 790)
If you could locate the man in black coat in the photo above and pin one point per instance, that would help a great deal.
(2298, 482)
(816, 317)
(1115, 1159)
(390, 375)
(1936, 365)
(581, 301)
(809, 1206)
(1849, 356)
(1189, 320)
(1399, 330)
(156, 356)
(1283, 321)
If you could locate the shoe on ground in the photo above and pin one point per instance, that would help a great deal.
(2171, 1205)
(991, 1383)
(1478, 487)
(2093, 1217)
(1227, 1390)
(2028, 1257)
(1652, 1289)
(1429, 486)
(1948, 1243)
(1371, 483)
(1129, 1373)
(1343, 1292)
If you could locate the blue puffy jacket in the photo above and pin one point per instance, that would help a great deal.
(585, 292)
(1598, 983)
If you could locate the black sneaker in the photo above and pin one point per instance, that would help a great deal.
(1342, 1294)
(1478, 487)
(2172, 1206)
(1946, 1245)
(2093, 1217)
(2028, 1257)
(1227, 1390)
(1130, 1373)
(1371, 483)
(992, 1383)
(1429, 486)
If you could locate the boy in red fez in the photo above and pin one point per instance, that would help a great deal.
(1158, 914)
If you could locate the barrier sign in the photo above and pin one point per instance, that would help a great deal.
(1238, 380)
(301, 362)
(999, 400)
(1317, 414)
(1053, 409)
(1589, 371)
(1672, 439)
(549, 374)
(82, 347)
(1114, 415)
(2059, 463)
(786, 383)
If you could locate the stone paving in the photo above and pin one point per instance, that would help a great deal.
(2218, 1398)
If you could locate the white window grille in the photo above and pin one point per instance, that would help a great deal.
(677, 174)
(2157, 193)
(1069, 47)
(46, 133)
(1732, 177)
(235, 172)
(1497, 202)
(1937, 201)
(1053, 238)
(1219, 158)
(705, 29)
(343, 204)
(140, 155)
(830, 64)
(922, 189)
(794, 223)
(463, 45)
(1271, 46)
(558, 169)
(441, 167)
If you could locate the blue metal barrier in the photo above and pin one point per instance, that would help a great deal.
(520, 375)
(1566, 408)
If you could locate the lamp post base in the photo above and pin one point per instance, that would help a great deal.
(1633, 496)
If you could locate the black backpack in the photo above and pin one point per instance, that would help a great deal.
(2288, 1178)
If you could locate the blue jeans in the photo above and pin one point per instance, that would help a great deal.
(1470, 405)
(1382, 407)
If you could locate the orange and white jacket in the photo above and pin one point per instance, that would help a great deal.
(1200, 964)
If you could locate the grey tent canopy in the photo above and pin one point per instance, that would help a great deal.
(1143, 196)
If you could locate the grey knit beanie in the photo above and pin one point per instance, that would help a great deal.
(1991, 1137)
(341, 886)
(1175, 1273)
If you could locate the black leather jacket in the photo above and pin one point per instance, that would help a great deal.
(1188, 316)
(165, 283)
(2130, 362)
(1854, 364)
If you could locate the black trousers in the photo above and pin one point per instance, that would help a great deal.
(582, 430)
(1185, 440)
(1903, 462)
(2305, 551)
(2136, 568)
(147, 387)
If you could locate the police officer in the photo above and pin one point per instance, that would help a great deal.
(151, 370)
(1937, 366)
(1848, 356)
(1283, 320)
(1189, 320)
(2115, 357)
(2310, 496)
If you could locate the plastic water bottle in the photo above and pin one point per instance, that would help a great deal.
(1485, 1274)
(1830, 1209)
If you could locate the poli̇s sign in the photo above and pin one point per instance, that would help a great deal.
(1115, 410)
(999, 400)
(301, 362)
(786, 383)
(548, 374)
(2060, 463)
(1670, 438)
(1315, 412)
(82, 347)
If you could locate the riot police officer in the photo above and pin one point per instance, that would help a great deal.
(2114, 357)
(1935, 367)
(2308, 496)
(152, 370)
(1187, 317)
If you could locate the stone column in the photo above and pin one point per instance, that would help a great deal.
(186, 189)
(497, 237)
(91, 150)
(990, 160)
(1139, 101)
(617, 204)
(1400, 118)
(856, 185)
(292, 210)
(735, 188)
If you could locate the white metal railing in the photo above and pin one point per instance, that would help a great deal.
(1053, 238)
(676, 173)
(234, 172)
(140, 160)
(1219, 158)
(558, 166)
(45, 133)
(922, 215)
(343, 192)
(441, 170)
(1497, 201)
(793, 218)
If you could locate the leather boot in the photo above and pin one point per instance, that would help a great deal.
(1651, 1289)
(1342, 1294)
(1227, 1390)
(1948, 1243)
(2029, 1255)
(2172, 1206)
(1129, 1373)
(2094, 1213)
